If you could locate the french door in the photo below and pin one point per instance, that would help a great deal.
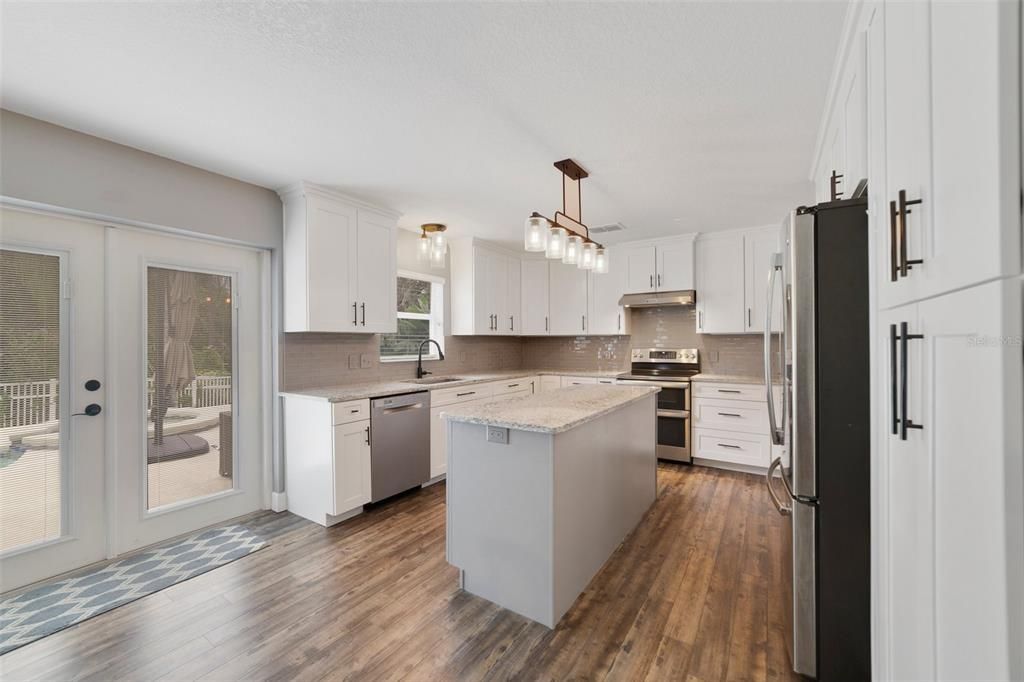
(131, 390)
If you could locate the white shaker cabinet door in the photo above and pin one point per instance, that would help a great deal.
(351, 466)
(568, 302)
(438, 442)
(534, 298)
(675, 265)
(759, 249)
(513, 311)
(329, 269)
(720, 294)
(376, 276)
(641, 267)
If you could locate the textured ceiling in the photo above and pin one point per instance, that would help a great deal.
(689, 116)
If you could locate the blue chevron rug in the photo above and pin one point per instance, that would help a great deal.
(54, 606)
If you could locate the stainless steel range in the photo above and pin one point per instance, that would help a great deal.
(670, 369)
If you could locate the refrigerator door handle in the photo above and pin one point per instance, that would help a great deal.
(783, 509)
(773, 426)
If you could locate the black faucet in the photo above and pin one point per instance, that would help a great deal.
(420, 372)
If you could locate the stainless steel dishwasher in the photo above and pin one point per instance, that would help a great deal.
(399, 443)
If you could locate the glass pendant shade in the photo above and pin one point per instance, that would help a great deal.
(587, 256)
(423, 249)
(437, 257)
(601, 261)
(556, 242)
(572, 250)
(535, 237)
(440, 242)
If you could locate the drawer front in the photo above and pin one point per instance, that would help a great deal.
(578, 381)
(460, 394)
(351, 411)
(731, 415)
(550, 383)
(702, 389)
(513, 386)
(737, 448)
(606, 380)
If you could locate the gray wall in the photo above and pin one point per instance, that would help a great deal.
(48, 164)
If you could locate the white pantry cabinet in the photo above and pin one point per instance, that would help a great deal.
(327, 458)
(567, 300)
(485, 290)
(951, 142)
(661, 265)
(606, 316)
(951, 486)
(339, 263)
(759, 248)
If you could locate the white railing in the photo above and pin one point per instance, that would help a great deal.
(28, 403)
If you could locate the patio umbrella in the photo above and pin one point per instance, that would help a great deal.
(175, 368)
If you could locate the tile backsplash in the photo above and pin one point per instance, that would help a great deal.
(313, 360)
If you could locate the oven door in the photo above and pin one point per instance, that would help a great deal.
(673, 418)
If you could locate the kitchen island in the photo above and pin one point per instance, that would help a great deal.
(542, 489)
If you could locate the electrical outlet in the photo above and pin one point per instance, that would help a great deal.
(712, 356)
(365, 361)
(497, 434)
(353, 361)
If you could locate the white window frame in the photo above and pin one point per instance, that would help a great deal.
(436, 316)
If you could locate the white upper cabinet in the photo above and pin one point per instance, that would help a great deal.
(758, 249)
(534, 296)
(485, 290)
(567, 301)
(606, 316)
(952, 147)
(842, 156)
(339, 263)
(665, 265)
(720, 277)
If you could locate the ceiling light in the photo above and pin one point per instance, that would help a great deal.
(573, 246)
(568, 239)
(556, 243)
(536, 235)
(433, 246)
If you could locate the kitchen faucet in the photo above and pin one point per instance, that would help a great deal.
(420, 372)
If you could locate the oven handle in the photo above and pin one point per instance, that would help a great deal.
(685, 385)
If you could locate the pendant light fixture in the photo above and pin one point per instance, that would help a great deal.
(565, 237)
(433, 246)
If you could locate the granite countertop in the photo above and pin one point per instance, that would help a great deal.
(550, 412)
(730, 378)
(378, 389)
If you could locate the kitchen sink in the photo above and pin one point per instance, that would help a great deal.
(437, 380)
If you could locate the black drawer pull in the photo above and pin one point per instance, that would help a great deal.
(728, 390)
(459, 395)
(729, 414)
(731, 447)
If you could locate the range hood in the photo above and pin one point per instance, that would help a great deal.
(660, 298)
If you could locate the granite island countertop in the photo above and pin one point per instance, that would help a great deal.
(379, 389)
(552, 411)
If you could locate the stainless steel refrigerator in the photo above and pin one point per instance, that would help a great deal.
(820, 359)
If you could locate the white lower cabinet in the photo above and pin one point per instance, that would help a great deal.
(951, 572)
(730, 424)
(327, 457)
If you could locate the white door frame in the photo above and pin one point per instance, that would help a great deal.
(270, 311)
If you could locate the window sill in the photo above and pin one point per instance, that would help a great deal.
(407, 358)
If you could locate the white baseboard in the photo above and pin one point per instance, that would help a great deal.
(743, 468)
(435, 479)
(279, 502)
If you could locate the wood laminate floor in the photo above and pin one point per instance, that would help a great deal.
(694, 593)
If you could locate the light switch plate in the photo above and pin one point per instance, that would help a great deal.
(365, 361)
(712, 356)
(497, 434)
(353, 361)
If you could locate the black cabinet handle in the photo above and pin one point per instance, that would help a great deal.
(894, 258)
(652, 281)
(901, 214)
(546, 323)
(364, 314)
(731, 447)
(512, 322)
(659, 279)
(619, 322)
(892, 376)
(905, 421)
(460, 395)
(728, 390)
(834, 185)
(583, 322)
(367, 435)
(729, 414)
(355, 314)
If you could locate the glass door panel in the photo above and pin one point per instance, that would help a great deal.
(31, 476)
(189, 350)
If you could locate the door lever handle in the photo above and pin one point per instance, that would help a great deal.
(91, 410)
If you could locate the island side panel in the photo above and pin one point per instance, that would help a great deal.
(500, 517)
(605, 481)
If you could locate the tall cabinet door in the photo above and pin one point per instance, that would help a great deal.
(971, 420)
(375, 282)
(758, 251)
(606, 316)
(908, 139)
(641, 267)
(719, 296)
(330, 288)
(568, 301)
(534, 298)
